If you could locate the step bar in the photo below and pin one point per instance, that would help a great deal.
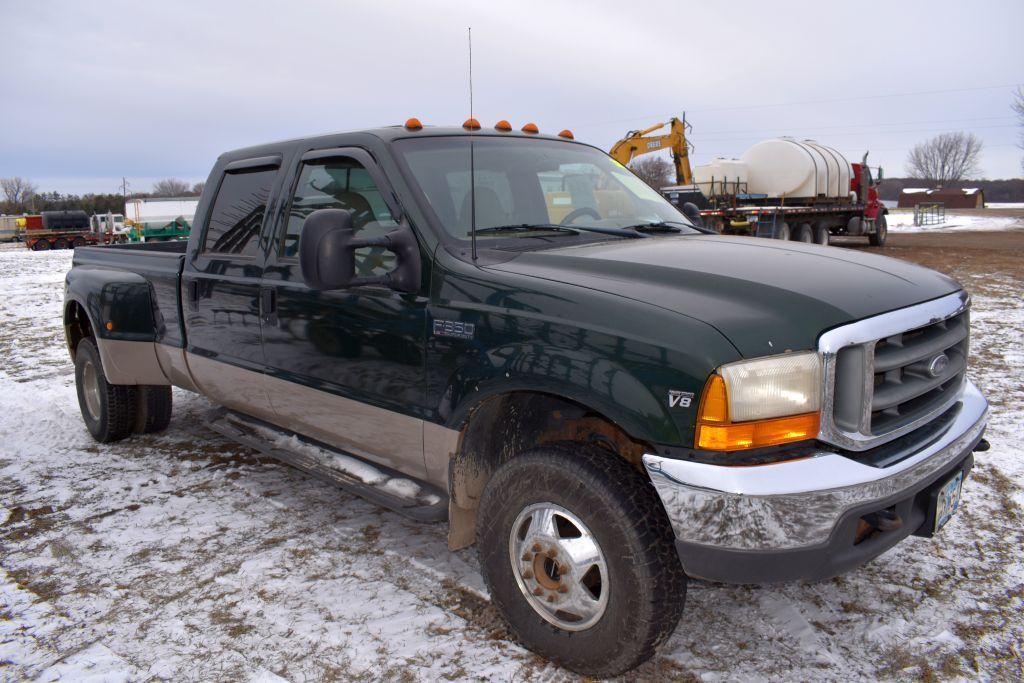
(388, 488)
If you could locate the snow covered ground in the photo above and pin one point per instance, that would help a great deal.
(181, 556)
(902, 220)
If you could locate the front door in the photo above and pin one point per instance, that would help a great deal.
(222, 292)
(346, 367)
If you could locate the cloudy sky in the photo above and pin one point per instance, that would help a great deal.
(95, 91)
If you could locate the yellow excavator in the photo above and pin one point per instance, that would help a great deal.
(638, 142)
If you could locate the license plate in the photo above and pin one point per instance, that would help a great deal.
(948, 499)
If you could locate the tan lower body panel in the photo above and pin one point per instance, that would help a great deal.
(131, 362)
(410, 445)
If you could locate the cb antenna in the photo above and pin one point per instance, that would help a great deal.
(472, 169)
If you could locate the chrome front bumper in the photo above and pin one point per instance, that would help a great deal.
(797, 504)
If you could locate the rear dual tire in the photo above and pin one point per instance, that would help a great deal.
(113, 412)
(599, 616)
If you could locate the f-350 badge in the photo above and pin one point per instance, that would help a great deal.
(454, 328)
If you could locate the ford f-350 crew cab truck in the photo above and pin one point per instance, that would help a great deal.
(603, 398)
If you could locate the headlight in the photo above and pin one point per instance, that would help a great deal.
(761, 402)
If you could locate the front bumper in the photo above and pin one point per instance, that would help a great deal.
(798, 519)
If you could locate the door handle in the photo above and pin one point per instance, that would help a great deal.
(268, 305)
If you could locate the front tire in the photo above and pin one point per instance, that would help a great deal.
(579, 558)
(109, 410)
(877, 238)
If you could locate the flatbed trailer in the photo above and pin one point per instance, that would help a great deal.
(43, 240)
(816, 223)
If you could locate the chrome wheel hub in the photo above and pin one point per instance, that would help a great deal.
(91, 390)
(559, 566)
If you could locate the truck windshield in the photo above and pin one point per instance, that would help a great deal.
(522, 183)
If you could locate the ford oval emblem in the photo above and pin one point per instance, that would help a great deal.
(938, 365)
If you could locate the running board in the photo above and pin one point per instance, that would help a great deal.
(386, 487)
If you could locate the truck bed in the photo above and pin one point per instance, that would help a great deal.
(160, 264)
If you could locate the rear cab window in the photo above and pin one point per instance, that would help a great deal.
(237, 214)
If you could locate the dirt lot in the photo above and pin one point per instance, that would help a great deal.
(183, 557)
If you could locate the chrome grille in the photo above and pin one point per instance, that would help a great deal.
(905, 384)
(888, 375)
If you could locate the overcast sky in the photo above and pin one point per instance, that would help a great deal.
(92, 91)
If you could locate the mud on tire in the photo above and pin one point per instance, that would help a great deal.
(646, 586)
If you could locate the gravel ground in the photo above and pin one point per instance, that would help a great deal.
(181, 556)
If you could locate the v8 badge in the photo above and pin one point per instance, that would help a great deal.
(679, 399)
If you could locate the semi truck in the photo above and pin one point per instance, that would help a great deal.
(160, 219)
(787, 189)
(603, 398)
(64, 229)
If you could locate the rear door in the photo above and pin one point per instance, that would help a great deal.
(346, 367)
(222, 293)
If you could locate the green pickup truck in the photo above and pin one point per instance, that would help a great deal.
(512, 333)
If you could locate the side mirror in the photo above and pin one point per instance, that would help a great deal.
(691, 211)
(881, 174)
(327, 254)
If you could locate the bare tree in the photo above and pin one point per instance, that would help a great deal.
(197, 189)
(1018, 109)
(945, 158)
(17, 191)
(654, 171)
(170, 187)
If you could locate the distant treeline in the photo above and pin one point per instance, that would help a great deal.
(995, 190)
(90, 203)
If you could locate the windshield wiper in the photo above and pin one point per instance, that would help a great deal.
(672, 226)
(577, 229)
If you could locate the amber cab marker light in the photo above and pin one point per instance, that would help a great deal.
(413, 124)
(566, 134)
(531, 128)
(109, 325)
(503, 126)
(716, 433)
(471, 124)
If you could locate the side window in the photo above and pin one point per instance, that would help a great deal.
(341, 184)
(237, 214)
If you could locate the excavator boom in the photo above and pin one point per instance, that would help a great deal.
(639, 142)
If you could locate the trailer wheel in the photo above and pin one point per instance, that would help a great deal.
(877, 238)
(61, 243)
(108, 409)
(153, 413)
(803, 233)
(41, 245)
(579, 558)
(781, 231)
(77, 242)
(822, 235)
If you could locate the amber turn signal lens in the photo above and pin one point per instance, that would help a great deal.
(413, 124)
(566, 134)
(531, 128)
(503, 125)
(716, 433)
(756, 434)
(471, 124)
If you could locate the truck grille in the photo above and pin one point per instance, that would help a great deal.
(892, 382)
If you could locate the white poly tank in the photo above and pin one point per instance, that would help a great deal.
(795, 169)
(721, 176)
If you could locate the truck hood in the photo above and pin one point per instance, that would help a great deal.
(765, 296)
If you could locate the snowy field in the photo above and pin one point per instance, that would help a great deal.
(902, 220)
(182, 557)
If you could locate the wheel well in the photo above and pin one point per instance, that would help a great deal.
(76, 326)
(503, 426)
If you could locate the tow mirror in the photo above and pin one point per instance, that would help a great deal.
(881, 174)
(327, 254)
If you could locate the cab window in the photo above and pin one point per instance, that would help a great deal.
(237, 214)
(341, 184)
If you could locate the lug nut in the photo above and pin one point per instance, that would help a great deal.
(563, 588)
(551, 598)
(552, 554)
(527, 574)
(537, 548)
(537, 591)
(527, 557)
